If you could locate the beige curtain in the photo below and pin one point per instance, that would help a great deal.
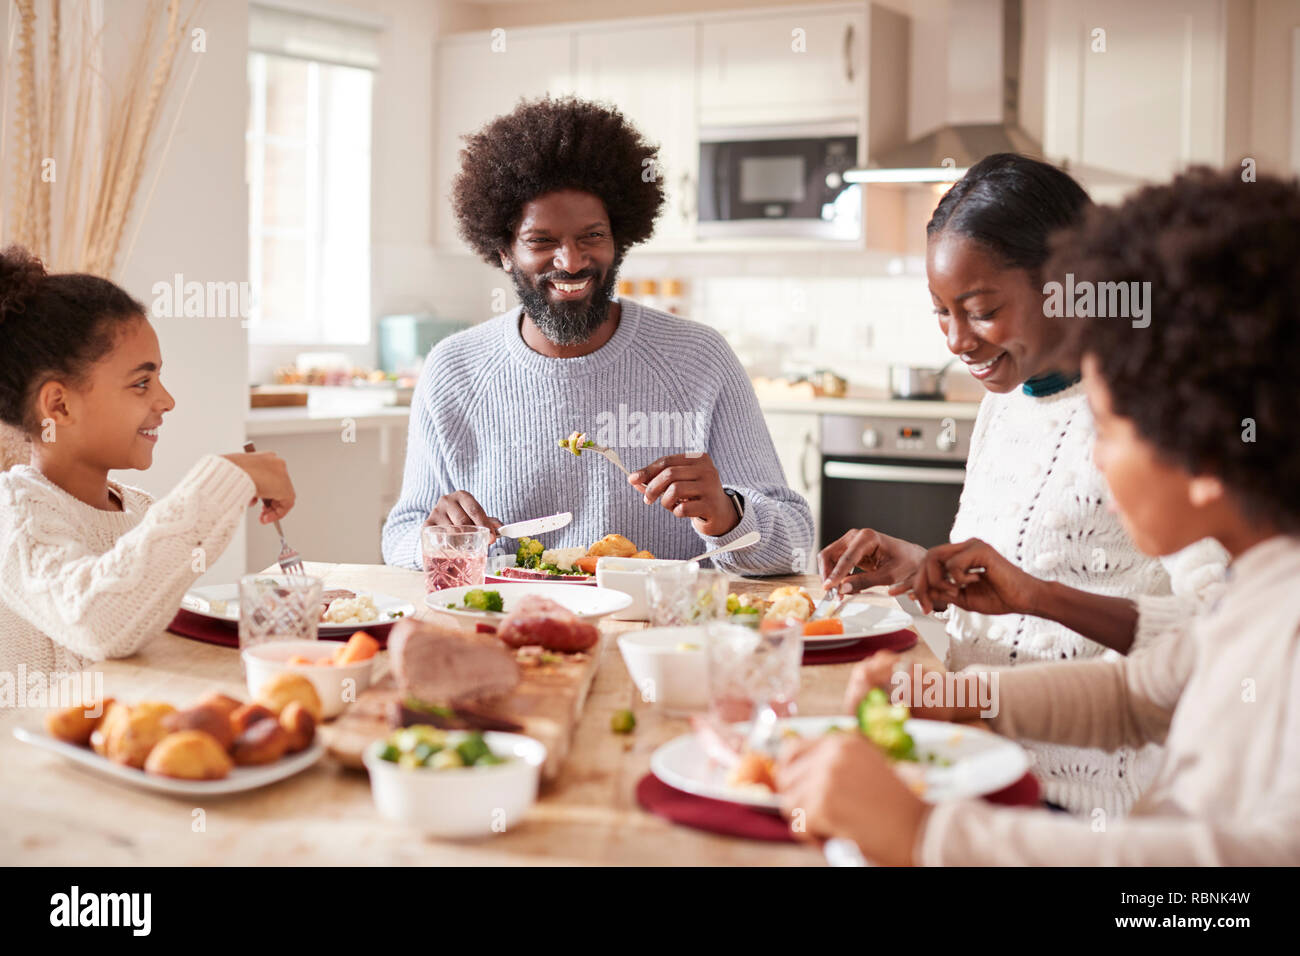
(76, 137)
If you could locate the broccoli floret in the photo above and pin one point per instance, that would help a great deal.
(576, 442)
(529, 554)
(882, 723)
(481, 600)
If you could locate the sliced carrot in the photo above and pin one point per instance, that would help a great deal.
(360, 647)
(299, 659)
(587, 565)
(831, 625)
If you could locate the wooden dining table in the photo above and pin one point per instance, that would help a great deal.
(54, 812)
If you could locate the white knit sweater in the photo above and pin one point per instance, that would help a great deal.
(78, 584)
(1034, 495)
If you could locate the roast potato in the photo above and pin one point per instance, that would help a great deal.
(190, 755)
(73, 725)
(286, 687)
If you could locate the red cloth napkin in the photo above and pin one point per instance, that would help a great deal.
(199, 628)
(736, 819)
(893, 641)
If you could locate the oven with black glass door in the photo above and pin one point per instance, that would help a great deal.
(901, 475)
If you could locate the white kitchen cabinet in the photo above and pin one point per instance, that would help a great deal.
(347, 480)
(648, 72)
(797, 437)
(781, 68)
(481, 76)
(1140, 88)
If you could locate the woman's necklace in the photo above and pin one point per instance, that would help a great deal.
(1048, 384)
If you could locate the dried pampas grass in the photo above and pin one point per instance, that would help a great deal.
(99, 130)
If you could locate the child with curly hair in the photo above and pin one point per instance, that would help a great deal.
(1196, 437)
(91, 568)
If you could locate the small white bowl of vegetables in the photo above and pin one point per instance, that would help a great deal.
(454, 783)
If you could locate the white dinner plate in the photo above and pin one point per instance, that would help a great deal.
(498, 563)
(978, 762)
(221, 603)
(862, 620)
(590, 604)
(240, 779)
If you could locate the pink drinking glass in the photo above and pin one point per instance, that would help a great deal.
(454, 555)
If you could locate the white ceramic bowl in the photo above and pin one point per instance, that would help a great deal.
(670, 665)
(465, 801)
(629, 576)
(336, 685)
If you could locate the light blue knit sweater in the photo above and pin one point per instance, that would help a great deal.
(488, 410)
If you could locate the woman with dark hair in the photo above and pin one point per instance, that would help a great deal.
(1195, 434)
(91, 568)
(1031, 491)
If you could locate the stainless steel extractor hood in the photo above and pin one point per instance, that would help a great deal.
(944, 154)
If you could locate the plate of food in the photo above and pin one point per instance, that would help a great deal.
(218, 745)
(533, 561)
(492, 604)
(855, 621)
(342, 611)
(940, 761)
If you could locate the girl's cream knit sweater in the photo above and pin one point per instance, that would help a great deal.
(78, 584)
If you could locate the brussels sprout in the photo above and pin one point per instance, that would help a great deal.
(472, 749)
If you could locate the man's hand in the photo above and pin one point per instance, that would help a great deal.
(945, 576)
(840, 785)
(883, 560)
(459, 507)
(689, 486)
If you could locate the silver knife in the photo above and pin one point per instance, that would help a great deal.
(519, 529)
(830, 605)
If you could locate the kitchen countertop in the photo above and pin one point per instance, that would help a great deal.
(297, 420)
(851, 405)
(56, 813)
(303, 420)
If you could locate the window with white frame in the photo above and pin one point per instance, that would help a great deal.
(310, 83)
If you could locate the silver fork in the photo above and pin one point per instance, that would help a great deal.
(611, 456)
(289, 561)
(608, 454)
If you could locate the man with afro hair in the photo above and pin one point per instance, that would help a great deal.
(554, 194)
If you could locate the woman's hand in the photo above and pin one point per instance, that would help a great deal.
(270, 477)
(689, 486)
(461, 508)
(945, 576)
(882, 559)
(840, 785)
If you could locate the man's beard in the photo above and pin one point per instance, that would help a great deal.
(567, 323)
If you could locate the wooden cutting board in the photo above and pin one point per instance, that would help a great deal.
(548, 703)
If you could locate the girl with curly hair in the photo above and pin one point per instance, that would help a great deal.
(90, 568)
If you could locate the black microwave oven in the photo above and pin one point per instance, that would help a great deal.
(762, 181)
